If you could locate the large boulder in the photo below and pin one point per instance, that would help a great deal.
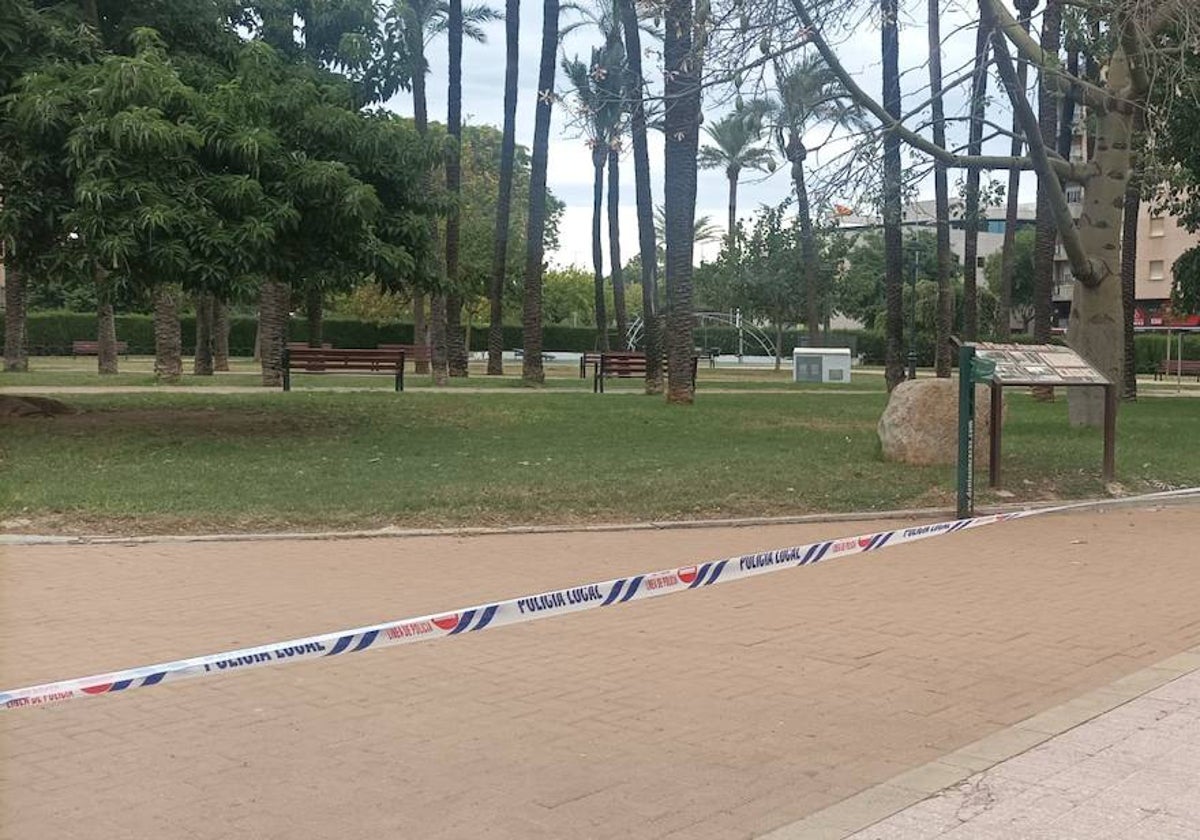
(920, 423)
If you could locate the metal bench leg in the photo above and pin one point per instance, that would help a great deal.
(287, 370)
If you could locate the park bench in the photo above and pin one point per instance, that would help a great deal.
(591, 359)
(327, 360)
(303, 345)
(1178, 367)
(417, 352)
(625, 366)
(92, 348)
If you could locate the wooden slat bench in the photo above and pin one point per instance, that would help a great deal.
(1178, 367)
(92, 348)
(625, 366)
(591, 359)
(417, 352)
(322, 360)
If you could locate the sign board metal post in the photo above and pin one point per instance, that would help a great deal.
(966, 431)
(996, 416)
(1110, 431)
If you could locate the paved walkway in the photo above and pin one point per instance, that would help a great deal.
(727, 712)
(1132, 773)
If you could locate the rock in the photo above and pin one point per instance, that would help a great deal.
(14, 406)
(920, 423)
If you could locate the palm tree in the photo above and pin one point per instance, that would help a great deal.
(893, 246)
(508, 143)
(945, 298)
(535, 229)
(809, 95)
(737, 136)
(635, 90)
(970, 214)
(455, 341)
(598, 96)
(420, 21)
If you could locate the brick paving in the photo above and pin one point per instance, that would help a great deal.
(721, 713)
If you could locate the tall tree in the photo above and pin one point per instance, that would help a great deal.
(647, 249)
(531, 311)
(512, 58)
(1013, 195)
(892, 181)
(971, 204)
(682, 56)
(614, 244)
(941, 189)
(737, 145)
(456, 349)
(1046, 231)
(809, 94)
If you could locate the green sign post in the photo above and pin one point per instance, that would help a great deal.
(970, 370)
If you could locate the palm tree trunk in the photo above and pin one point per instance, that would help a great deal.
(16, 352)
(681, 64)
(438, 350)
(314, 314)
(106, 326)
(808, 245)
(732, 175)
(971, 189)
(892, 175)
(598, 159)
(455, 346)
(614, 247)
(202, 364)
(1129, 241)
(512, 59)
(647, 247)
(457, 352)
(220, 335)
(1013, 195)
(941, 188)
(273, 304)
(168, 335)
(1046, 233)
(420, 331)
(535, 230)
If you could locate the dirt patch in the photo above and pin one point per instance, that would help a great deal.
(17, 406)
(201, 422)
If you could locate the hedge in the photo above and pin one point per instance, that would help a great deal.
(51, 333)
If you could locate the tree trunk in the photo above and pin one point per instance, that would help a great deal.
(455, 346)
(647, 249)
(168, 335)
(314, 313)
(732, 174)
(682, 123)
(892, 214)
(1046, 233)
(778, 343)
(797, 154)
(1128, 283)
(614, 248)
(438, 350)
(273, 304)
(941, 187)
(1007, 253)
(531, 308)
(971, 190)
(220, 335)
(1096, 326)
(420, 331)
(599, 156)
(457, 352)
(16, 352)
(512, 28)
(106, 327)
(202, 365)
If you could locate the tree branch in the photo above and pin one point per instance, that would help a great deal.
(1081, 266)
(1089, 94)
(1061, 167)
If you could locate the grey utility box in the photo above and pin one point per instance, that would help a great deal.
(821, 364)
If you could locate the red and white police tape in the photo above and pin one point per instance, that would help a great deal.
(515, 610)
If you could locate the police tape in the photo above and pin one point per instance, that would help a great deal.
(518, 610)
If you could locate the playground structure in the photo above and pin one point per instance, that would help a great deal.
(727, 319)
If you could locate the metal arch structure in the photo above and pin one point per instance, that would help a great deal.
(745, 330)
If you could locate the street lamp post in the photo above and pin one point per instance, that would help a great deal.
(912, 320)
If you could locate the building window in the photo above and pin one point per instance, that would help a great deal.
(980, 262)
(1157, 227)
(1156, 269)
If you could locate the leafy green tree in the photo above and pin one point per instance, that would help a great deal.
(1185, 291)
(1021, 301)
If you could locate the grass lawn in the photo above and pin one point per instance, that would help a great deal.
(139, 463)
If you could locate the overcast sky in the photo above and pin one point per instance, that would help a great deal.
(570, 170)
